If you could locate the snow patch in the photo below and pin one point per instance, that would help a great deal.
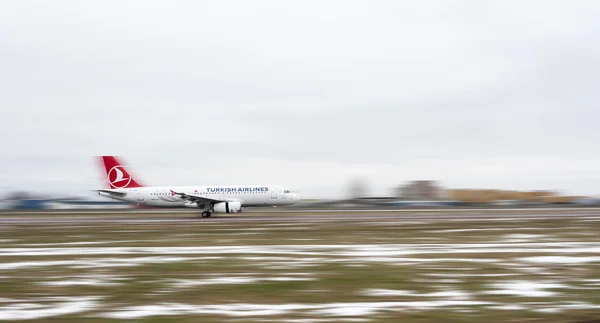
(31, 311)
(525, 288)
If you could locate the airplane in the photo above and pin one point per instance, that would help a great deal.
(217, 198)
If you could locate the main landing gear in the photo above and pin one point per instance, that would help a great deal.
(206, 214)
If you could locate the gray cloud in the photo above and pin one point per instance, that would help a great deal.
(476, 94)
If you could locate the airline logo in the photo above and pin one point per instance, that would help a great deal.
(118, 177)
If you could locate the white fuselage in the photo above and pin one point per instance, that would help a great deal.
(247, 195)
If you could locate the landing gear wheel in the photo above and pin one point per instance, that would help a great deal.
(206, 214)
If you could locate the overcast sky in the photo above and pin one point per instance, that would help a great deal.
(306, 94)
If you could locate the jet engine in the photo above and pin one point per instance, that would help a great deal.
(228, 207)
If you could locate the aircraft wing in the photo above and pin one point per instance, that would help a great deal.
(196, 198)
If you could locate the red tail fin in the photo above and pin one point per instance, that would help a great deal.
(116, 174)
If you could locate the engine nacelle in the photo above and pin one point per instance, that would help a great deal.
(228, 207)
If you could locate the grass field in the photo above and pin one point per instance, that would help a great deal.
(414, 270)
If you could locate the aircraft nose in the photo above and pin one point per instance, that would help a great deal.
(295, 197)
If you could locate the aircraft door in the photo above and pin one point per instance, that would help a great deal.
(140, 197)
(274, 194)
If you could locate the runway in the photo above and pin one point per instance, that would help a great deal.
(303, 216)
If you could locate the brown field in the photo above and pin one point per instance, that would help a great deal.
(418, 270)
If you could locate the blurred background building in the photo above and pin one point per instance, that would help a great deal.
(510, 197)
(421, 190)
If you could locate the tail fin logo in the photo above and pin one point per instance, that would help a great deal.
(118, 177)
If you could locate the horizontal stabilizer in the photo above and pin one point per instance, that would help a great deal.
(113, 193)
